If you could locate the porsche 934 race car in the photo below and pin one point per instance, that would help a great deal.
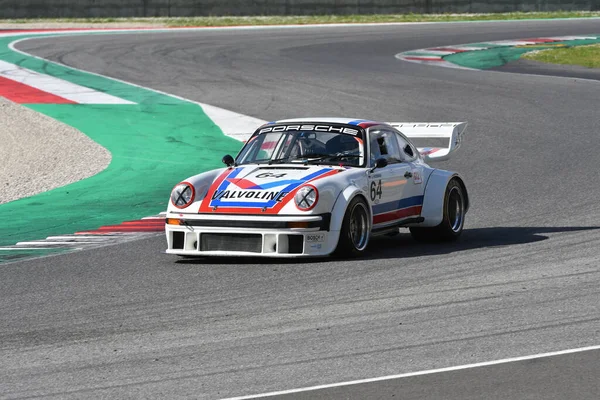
(313, 187)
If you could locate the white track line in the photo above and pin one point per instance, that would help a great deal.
(50, 244)
(76, 239)
(31, 248)
(418, 373)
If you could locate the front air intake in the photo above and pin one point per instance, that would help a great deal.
(234, 242)
(178, 239)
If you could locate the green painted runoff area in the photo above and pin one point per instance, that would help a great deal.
(154, 144)
(500, 55)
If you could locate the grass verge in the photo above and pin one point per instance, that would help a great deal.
(312, 19)
(586, 56)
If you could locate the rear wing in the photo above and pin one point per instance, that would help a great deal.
(453, 131)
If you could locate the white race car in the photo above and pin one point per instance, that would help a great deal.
(317, 186)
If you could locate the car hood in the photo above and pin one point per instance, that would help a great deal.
(260, 188)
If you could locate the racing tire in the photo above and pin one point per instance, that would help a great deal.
(355, 230)
(453, 219)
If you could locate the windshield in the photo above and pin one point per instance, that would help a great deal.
(304, 147)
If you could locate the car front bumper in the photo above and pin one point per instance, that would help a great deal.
(242, 235)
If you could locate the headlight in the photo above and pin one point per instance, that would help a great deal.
(183, 195)
(306, 197)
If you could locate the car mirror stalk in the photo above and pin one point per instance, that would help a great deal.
(379, 163)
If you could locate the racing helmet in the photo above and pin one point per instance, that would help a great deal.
(341, 143)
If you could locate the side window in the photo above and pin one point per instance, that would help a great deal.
(383, 143)
(409, 153)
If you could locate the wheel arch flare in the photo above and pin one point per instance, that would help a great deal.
(433, 202)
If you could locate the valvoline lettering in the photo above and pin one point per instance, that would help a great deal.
(249, 194)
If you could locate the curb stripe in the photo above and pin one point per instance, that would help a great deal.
(542, 40)
(429, 52)
(58, 87)
(423, 58)
(24, 94)
(147, 224)
(449, 49)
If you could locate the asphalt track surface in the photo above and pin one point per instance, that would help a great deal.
(127, 321)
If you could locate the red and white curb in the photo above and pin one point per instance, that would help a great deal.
(105, 235)
(22, 85)
(144, 225)
(436, 55)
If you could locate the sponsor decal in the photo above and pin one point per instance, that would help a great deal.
(242, 195)
(316, 237)
(270, 175)
(429, 150)
(249, 194)
(376, 191)
(417, 178)
(310, 127)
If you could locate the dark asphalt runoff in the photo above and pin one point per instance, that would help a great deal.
(126, 321)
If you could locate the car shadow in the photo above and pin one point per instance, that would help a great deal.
(403, 246)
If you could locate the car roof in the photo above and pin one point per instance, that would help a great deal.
(363, 123)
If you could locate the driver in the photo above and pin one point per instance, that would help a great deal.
(342, 144)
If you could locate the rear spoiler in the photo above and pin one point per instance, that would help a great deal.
(453, 131)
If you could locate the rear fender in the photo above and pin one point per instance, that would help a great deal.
(433, 202)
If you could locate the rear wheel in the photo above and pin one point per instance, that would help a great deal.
(354, 234)
(453, 219)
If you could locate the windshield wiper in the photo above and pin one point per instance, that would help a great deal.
(342, 156)
(278, 160)
(331, 157)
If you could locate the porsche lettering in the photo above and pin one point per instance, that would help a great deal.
(310, 127)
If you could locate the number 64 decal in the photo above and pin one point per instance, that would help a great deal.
(270, 175)
(375, 190)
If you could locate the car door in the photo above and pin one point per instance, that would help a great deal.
(387, 185)
(412, 196)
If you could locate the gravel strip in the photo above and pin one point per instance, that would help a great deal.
(38, 153)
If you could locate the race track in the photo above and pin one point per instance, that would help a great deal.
(126, 321)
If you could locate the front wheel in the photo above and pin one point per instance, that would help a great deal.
(354, 234)
(453, 219)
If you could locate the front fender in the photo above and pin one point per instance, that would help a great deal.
(435, 191)
(201, 183)
(341, 203)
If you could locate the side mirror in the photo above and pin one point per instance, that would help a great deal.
(228, 160)
(379, 163)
